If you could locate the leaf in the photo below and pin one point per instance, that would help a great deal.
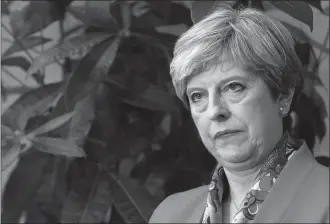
(51, 125)
(38, 108)
(79, 12)
(136, 91)
(155, 184)
(303, 51)
(35, 16)
(151, 14)
(4, 94)
(57, 146)
(132, 201)
(324, 160)
(18, 61)
(47, 202)
(75, 47)
(200, 9)
(257, 4)
(179, 14)
(161, 40)
(7, 139)
(297, 9)
(72, 30)
(79, 126)
(311, 111)
(314, 79)
(133, 146)
(9, 155)
(300, 35)
(147, 21)
(98, 12)
(88, 200)
(160, 13)
(104, 64)
(139, 8)
(161, 8)
(6, 132)
(115, 12)
(316, 4)
(103, 135)
(81, 81)
(82, 119)
(95, 13)
(166, 124)
(126, 13)
(24, 44)
(39, 211)
(28, 172)
(126, 166)
(325, 7)
(30, 104)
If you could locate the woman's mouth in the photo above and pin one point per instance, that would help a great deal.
(226, 134)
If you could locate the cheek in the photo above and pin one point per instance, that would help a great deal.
(258, 115)
(202, 124)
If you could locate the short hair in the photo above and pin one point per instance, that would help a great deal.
(259, 44)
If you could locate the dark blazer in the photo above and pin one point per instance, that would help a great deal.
(299, 195)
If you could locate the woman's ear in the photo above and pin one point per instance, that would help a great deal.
(284, 101)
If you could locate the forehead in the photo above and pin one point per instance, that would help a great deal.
(218, 74)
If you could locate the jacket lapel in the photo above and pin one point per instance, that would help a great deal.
(193, 212)
(285, 187)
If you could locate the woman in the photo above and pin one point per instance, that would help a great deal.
(238, 74)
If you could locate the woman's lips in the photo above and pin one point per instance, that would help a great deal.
(226, 134)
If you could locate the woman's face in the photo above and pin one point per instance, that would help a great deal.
(237, 118)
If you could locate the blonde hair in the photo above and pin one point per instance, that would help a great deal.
(252, 40)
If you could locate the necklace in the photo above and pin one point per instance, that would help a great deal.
(231, 198)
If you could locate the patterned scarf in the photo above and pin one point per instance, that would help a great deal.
(267, 176)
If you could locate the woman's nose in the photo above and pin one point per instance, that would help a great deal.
(217, 109)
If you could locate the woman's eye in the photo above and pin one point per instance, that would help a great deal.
(195, 97)
(235, 87)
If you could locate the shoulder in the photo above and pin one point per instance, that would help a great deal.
(173, 205)
(313, 194)
(319, 178)
(316, 183)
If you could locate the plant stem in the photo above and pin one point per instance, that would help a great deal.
(17, 40)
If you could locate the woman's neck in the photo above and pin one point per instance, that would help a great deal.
(240, 182)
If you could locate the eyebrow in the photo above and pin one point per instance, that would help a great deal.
(220, 83)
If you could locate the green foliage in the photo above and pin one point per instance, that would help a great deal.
(111, 140)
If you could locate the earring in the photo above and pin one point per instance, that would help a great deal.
(282, 113)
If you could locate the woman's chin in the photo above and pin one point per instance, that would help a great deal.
(232, 156)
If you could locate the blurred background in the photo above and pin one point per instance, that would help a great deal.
(91, 129)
